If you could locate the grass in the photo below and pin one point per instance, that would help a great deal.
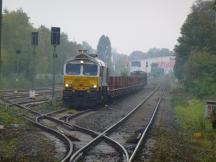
(180, 144)
(16, 144)
(8, 148)
(20, 148)
(49, 107)
(190, 119)
(8, 116)
(190, 116)
(72, 111)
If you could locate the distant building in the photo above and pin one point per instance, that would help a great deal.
(138, 61)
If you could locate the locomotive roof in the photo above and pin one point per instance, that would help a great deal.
(87, 57)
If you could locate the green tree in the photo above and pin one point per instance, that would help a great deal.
(159, 52)
(195, 52)
(16, 30)
(197, 33)
(200, 75)
(87, 47)
(16, 35)
(120, 63)
(104, 49)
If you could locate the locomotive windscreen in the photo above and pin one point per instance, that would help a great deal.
(73, 69)
(90, 69)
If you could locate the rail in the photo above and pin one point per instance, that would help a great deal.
(101, 135)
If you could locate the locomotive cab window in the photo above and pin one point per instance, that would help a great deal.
(90, 69)
(73, 69)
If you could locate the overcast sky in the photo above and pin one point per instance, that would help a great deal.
(130, 24)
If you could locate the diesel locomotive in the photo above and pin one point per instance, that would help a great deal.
(87, 82)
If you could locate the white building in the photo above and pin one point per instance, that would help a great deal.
(139, 64)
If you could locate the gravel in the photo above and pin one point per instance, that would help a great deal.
(164, 122)
(108, 115)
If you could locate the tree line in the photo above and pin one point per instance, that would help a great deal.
(17, 51)
(196, 50)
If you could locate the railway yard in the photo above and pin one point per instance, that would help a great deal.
(116, 131)
(107, 81)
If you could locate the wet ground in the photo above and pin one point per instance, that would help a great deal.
(101, 119)
(26, 144)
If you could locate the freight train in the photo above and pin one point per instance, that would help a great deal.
(87, 82)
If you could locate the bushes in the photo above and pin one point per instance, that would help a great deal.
(11, 82)
(191, 116)
(200, 78)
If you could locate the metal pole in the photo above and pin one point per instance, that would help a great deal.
(53, 83)
(18, 52)
(0, 41)
(146, 66)
(147, 69)
(33, 60)
(32, 91)
(17, 66)
(33, 68)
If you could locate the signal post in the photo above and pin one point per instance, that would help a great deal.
(55, 40)
(34, 44)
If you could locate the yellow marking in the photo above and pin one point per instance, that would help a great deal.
(197, 135)
(80, 83)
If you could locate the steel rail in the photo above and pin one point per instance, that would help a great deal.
(57, 111)
(92, 133)
(30, 102)
(145, 132)
(33, 104)
(59, 135)
(27, 90)
(23, 95)
(64, 138)
(15, 96)
(23, 107)
(101, 135)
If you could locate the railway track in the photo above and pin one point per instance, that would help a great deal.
(21, 97)
(62, 130)
(59, 86)
(67, 142)
(31, 114)
(35, 117)
(145, 131)
(20, 93)
(104, 136)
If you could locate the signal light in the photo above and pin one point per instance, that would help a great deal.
(34, 38)
(55, 35)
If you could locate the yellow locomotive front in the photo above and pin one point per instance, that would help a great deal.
(83, 82)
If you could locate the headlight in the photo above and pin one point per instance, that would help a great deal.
(94, 86)
(66, 85)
